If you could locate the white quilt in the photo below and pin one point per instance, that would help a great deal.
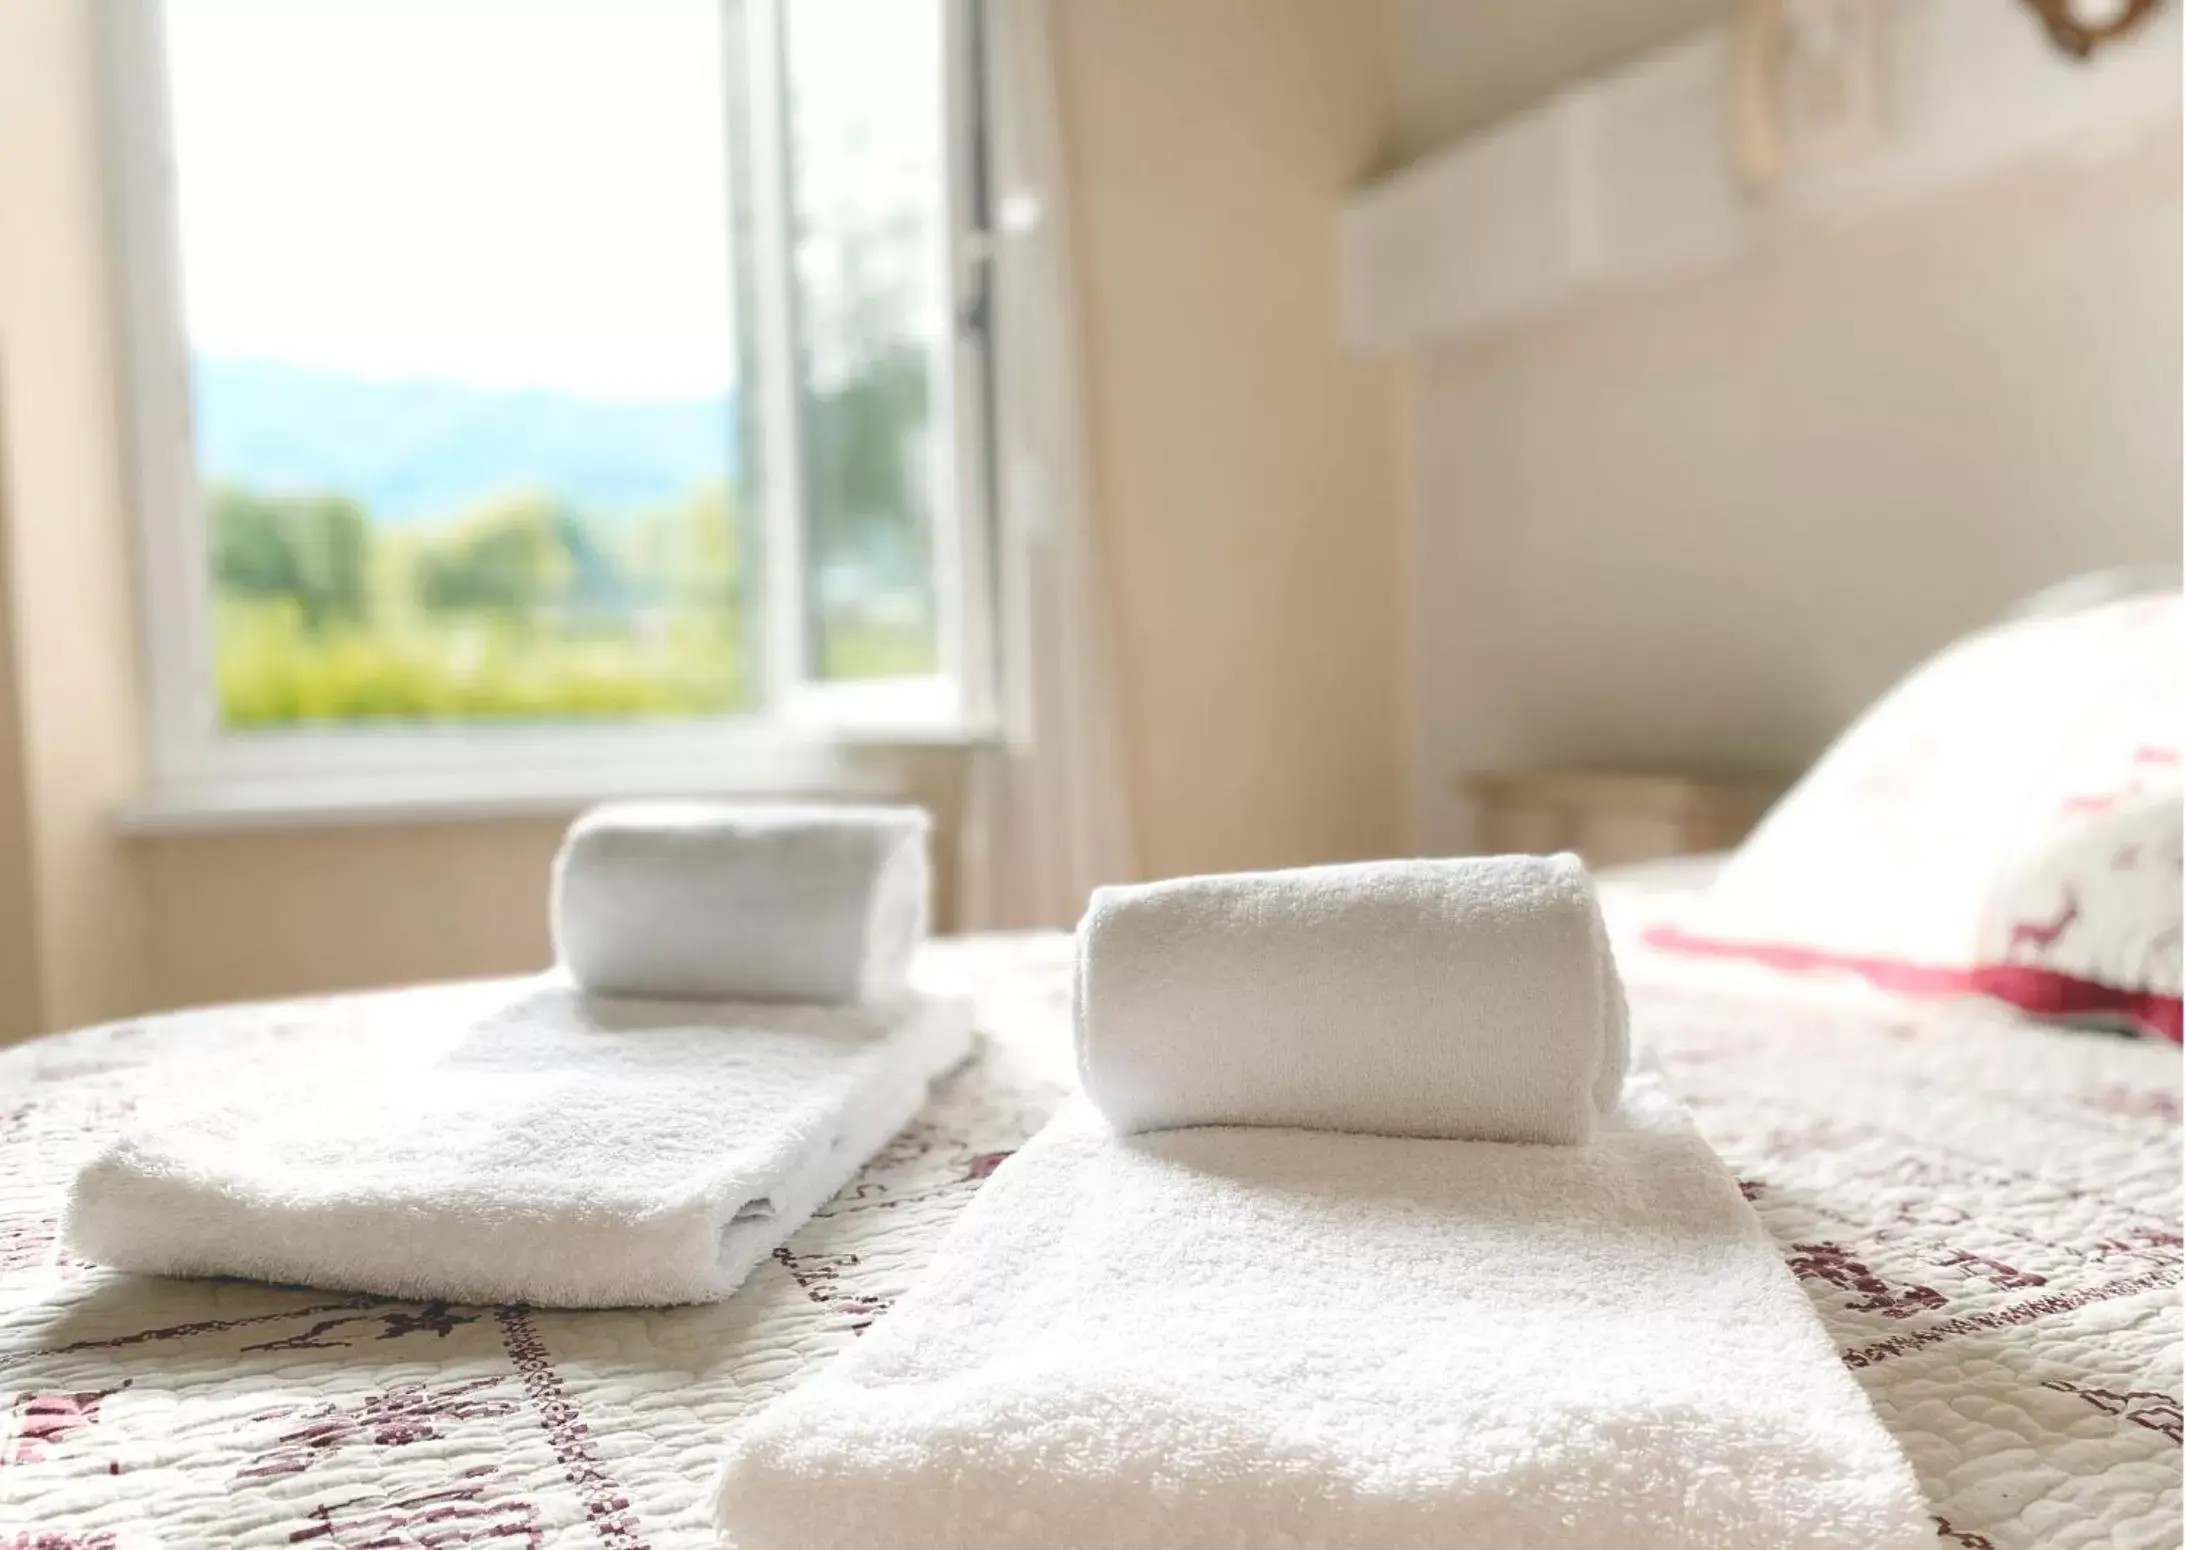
(1985, 1214)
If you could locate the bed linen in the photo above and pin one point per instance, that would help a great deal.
(1985, 1214)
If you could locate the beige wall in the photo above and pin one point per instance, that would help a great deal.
(1466, 63)
(293, 910)
(66, 565)
(20, 1010)
(1242, 468)
(284, 911)
(1704, 526)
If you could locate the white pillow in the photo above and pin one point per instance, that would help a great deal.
(2006, 821)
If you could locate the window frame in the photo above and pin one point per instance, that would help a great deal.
(806, 734)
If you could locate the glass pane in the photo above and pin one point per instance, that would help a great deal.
(867, 174)
(458, 294)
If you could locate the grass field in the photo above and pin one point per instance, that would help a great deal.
(849, 649)
(274, 671)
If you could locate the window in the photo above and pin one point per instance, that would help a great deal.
(550, 380)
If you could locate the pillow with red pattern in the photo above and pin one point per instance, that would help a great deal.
(2007, 821)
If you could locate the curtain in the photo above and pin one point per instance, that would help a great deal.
(1046, 810)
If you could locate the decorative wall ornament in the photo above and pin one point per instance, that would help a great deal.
(2079, 37)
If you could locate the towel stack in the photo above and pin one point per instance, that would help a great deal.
(731, 1037)
(1364, 1239)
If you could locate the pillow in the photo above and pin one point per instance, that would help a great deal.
(2006, 821)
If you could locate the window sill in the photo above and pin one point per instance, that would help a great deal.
(865, 767)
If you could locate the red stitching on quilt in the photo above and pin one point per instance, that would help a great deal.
(392, 1417)
(2009, 1277)
(819, 1276)
(52, 1417)
(1832, 1263)
(605, 1502)
(24, 1241)
(2151, 1408)
(434, 1318)
(178, 1331)
(456, 1515)
(2020, 1313)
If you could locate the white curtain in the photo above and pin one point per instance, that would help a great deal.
(1046, 813)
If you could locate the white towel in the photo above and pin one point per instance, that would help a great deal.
(1253, 1338)
(524, 1143)
(738, 901)
(1470, 999)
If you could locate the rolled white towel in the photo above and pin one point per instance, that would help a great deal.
(729, 901)
(1464, 999)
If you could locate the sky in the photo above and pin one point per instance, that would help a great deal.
(506, 193)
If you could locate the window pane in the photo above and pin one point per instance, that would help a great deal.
(457, 285)
(867, 174)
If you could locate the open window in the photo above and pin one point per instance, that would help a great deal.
(533, 394)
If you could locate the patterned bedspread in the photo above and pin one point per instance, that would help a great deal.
(1986, 1215)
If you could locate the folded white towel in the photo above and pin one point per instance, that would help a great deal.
(1471, 999)
(1247, 1338)
(523, 1143)
(737, 901)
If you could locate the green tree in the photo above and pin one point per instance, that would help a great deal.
(313, 549)
(863, 480)
(687, 555)
(520, 557)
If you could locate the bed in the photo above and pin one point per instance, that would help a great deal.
(1985, 1212)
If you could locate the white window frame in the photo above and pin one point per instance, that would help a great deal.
(808, 734)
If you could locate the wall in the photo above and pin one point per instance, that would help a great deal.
(1704, 526)
(72, 701)
(19, 996)
(287, 911)
(1242, 469)
(1467, 63)
(284, 911)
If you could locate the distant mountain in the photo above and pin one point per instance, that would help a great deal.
(412, 451)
